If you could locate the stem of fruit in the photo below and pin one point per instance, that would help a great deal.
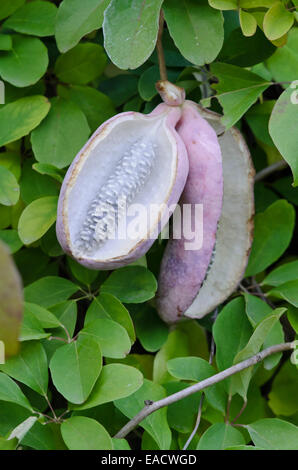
(160, 51)
(151, 406)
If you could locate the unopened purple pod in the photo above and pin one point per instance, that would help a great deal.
(192, 283)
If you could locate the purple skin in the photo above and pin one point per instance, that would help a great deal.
(183, 271)
(176, 190)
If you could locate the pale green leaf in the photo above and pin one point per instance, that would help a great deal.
(115, 381)
(130, 32)
(26, 63)
(82, 433)
(37, 218)
(75, 368)
(282, 128)
(196, 28)
(36, 18)
(61, 135)
(21, 116)
(75, 19)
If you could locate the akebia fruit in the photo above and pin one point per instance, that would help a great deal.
(187, 258)
(192, 283)
(132, 161)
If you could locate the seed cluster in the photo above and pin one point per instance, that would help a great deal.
(131, 173)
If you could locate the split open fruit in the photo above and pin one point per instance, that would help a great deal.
(135, 163)
(131, 164)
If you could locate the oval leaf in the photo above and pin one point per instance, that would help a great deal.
(37, 218)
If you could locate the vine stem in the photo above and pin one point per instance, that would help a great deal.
(159, 49)
(151, 406)
(270, 169)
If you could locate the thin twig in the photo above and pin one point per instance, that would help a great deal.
(240, 412)
(198, 420)
(270, 169)
(154, 406)
(160, 51)
(260, 292)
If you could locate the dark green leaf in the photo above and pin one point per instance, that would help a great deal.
(61, 135)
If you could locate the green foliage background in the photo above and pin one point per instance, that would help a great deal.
(92, 346)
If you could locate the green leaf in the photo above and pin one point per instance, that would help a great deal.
(283, 131)
(96, 106)
(187, 339)
(11, 239)
(10, 444)
(183, 413)
(108, 306)
(258, 119)
(50, 170)
(26, 63)
(197, 369)
(257, 310)
(37, 218)
(273, 233)
(240, 381)
(5, 42)
(133, 284)
(19, 118)
(246, 51)
(155, 424)
(237, 90)
(256, 3)
(287, 291)
(112, 337)
(120, 444)
(283, 64)
(49, 291)
(248, 23)
(9, 188)
(151, 331)
(82, 64)
(130, 32)
(274, 434)
(196, 28)
(284, 273)
(293, 317)
(31, 328)
(219, 436)
(7, 7)
(44, 437)
(283, 399)
(44, 317)
(76, 19)
(11, 392)
(11, 306)
(277, 21)
(224, 4)
(12, 162)
(231, 318)
(34, 185)
(116, 381)
(61, 135)
(75, 368)
(29, 367)
(81, 433)
(84, 275)
(36, 18)
(175, 346)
